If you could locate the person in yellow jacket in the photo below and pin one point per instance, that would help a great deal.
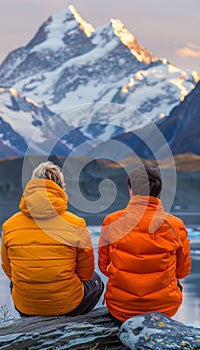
(143, 251)
(47, 251)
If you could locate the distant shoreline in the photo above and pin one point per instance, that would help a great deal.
(186, 202)
(190, 218)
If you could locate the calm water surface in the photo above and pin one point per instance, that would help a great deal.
(189, 312)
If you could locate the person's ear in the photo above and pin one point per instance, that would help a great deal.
(130, 192)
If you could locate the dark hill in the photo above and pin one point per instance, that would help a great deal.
(187, 198)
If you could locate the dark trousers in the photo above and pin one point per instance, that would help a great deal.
(92, 293)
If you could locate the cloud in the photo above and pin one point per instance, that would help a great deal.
(194, 46)
(190, 50)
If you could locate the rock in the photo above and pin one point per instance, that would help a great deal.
(94, 330)
(156, 331)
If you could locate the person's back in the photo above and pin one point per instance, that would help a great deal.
(46, 251)
(143, 251)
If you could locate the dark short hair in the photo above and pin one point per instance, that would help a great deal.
(145, 181)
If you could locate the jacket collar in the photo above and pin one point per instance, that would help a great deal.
(146, 201)
(148, 210)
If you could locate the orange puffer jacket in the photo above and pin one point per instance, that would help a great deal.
(46, 252)
(143, 251)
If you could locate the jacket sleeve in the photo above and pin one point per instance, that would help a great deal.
(103, 250)
(4, 256)
(85, 254)
(183, 265)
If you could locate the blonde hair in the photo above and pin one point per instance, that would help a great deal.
(50, 171)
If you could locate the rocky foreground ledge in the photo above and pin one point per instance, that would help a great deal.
(95, 330)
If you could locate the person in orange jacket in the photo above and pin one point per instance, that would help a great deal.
(143, 251)
(47, 252)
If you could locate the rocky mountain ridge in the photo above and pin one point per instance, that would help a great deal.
(73, 86)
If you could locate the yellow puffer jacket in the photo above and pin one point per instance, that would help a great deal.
(46, 252)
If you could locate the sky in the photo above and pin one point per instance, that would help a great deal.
(167, 29)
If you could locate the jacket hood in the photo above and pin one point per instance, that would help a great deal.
(43, 199)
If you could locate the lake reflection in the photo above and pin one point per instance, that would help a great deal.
(189, 312)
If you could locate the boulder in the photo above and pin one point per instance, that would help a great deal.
(96, 331)
(156, 331)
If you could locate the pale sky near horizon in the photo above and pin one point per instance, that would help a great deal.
(165, 29)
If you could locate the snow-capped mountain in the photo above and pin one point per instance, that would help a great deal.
(104, 74)
(26, 126)
(181, 130)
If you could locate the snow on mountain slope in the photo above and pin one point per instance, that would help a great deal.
(12, 144)
(69, 64)
(24, 123)
(180, 129)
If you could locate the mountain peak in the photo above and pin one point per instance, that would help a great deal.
(86, 27)
(62, 67)
(129, 40)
